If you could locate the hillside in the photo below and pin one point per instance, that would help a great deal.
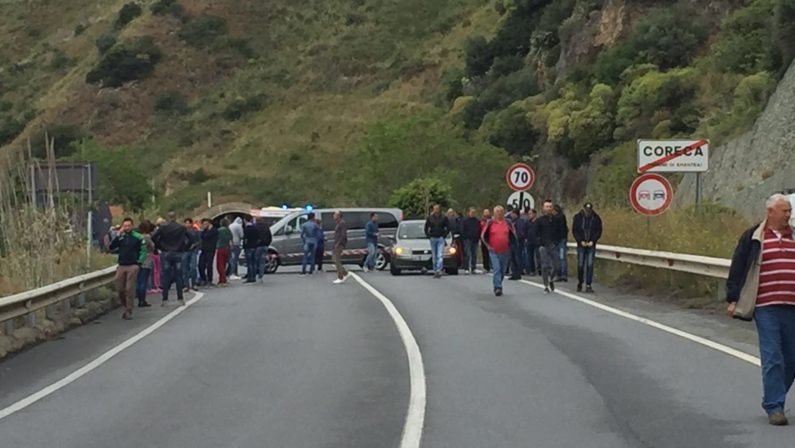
(341, 102)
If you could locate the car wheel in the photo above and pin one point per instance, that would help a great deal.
(381, 260)
(451, 271)
(393, 270)
(273, 264)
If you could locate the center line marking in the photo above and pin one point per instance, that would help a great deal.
(415, 417)
(96, 362)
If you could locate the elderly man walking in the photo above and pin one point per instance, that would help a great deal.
(761, 286)
(499, 236)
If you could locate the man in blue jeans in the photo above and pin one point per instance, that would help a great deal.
(587, 229)
(171, 239)
(309, 237)
(250, 243)
(499, 236)
(470, 235)
(190, 258)
(371, 236)
(437, 226)
(563, 261)
(761, 285)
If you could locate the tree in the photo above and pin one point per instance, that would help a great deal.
(416, 197)
(121, 181)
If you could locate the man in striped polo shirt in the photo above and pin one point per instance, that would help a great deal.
(761, 286)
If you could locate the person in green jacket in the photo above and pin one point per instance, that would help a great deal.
(131, 249)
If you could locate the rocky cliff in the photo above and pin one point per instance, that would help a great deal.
(748, 169)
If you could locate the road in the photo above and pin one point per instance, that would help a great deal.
(298, 362)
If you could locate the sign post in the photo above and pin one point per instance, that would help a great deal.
(650, 194)
(520, 177)
(675, 156)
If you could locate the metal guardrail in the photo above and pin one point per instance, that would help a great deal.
(28, 302)
(694, 264)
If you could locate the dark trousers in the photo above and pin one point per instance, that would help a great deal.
(486, 257)
(585, 260)
(321, 251)
(142, 284)
(206, 266)
(171, 272)
(516, 260)
(251, 265)
(532, 255)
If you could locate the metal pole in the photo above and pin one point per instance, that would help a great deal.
(698, 192)
(209, 199)
(89, 224)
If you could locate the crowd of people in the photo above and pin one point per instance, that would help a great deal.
(516, 242)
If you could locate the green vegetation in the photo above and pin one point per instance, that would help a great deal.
(126, 62)
(127, 14)
(416, 197)
(121, 180)
(169, 7)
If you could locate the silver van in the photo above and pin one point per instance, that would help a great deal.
(287, 247)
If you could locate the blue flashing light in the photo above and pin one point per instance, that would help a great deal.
(285, 206)
(309, 207)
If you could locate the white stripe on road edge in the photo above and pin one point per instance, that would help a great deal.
(102, 359)
(683, 334)
(415, 418)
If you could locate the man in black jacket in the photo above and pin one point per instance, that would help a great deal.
(130, 246)
(532, 242)
(190, 258)
(437, 227)
(587, 229)
(551, 231)
(209, 242)
(250, 243)
(470, 236)
(563, 261)
(171, 240)
(265, 239)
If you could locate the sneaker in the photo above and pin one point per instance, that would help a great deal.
(195, 288)
(338, 281)
(185, 289)
(579, 287)
(546, 290)
(223, 285)
(777, 419)
(144, 305)
(128, 316)
(234, 277)
(552, 286)
(588, 289)
(181, 302)
(498, 292)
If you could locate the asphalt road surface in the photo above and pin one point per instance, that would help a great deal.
(299, 362)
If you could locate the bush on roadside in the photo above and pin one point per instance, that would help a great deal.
(203, 31)
(127, 14)
(105, 42)
(239, 107)
(169, 7)
(127, 62)
(172, 103)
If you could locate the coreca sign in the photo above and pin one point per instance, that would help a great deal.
(673, 156)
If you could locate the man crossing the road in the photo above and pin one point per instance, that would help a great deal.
(130, 247)
(499, 235)
(437, 226)
(309, 238)
(371, 236)
(551, 231)
(761, 286)
(340, 241)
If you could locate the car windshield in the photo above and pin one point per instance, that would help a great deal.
(412, 231)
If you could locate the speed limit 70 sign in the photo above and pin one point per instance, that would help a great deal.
(520, 177)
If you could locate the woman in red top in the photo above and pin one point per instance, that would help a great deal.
(498, 235)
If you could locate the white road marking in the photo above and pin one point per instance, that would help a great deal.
(415, 417)
(683, 334)
(96, 362)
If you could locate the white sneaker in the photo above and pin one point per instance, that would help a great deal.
(234, 277)
(339, 281)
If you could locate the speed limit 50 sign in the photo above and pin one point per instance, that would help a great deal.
(520, 177)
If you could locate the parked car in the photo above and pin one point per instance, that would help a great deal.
(659, 194)
(644, 194)
(287, 247)
(411, 250)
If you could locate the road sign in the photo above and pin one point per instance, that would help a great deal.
(520, 177)
(673, 156)
(521, 200)
(650, 194)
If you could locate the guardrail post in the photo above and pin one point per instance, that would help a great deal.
(721, 290)
(66, 308)
(30, 319)
(8, 327)
(49, 312)
(81, 300)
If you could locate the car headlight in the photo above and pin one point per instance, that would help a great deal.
(451, 250)
(399, 251)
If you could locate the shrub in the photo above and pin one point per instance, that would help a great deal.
(105, 42)
(172, 103)
(80, 28)
(65, 137)
(129, 62)
(239, 107)
(416, 197)
(511, 130)
(9, 129)
(127, 14)
(237, 44)
(478, 57)
(500, 94)
(745, 43)
(203, 31)
(121, 179)
(169, 7)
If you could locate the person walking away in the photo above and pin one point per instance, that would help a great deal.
(518, 247)
(223, 250)
(321, 245)
(563, 263)
(484, 251)
(371, 236)
(237, 243)
(129, 245)
(340, 241)
(142, 281)
(587, 229)
(250, 243)
(761, 286)
(532, 242)
(499, 235)
(470, 236)
(157, 273)
(437, 226)
(190, 258)
(309, 238)
(171, 239)
(209, 241)
(550, 233)
(264, 242)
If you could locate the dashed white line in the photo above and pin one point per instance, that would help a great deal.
(654, 324)
(415, 417)
(96, 362)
